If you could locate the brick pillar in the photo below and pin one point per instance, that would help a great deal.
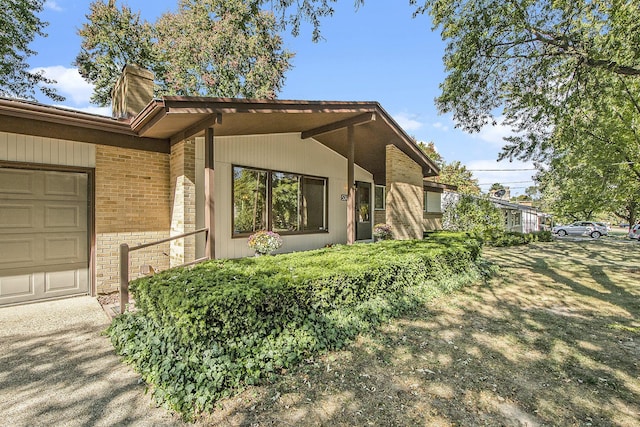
(183, 200)
(404, 195)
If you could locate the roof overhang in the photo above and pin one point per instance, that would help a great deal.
(178, 118)
(438, 187)
(31, 118)
(172, 119)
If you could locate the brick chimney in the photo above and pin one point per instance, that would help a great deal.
(132, 92)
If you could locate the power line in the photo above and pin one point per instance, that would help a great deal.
(502, 170)
(509, 182)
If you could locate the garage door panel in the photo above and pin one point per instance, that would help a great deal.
(17, 251)
(64, 184)
(64, 216)
(17, 182)
(14, 216)
(66, 280)
(17, 286)
(66, 248)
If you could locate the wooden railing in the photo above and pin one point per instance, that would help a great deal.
(124, 262)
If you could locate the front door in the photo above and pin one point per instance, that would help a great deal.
(363, 210)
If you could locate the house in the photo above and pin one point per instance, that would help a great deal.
(75, 186)
(522, 218)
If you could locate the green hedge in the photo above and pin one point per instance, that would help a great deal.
(513, 238)
(202, 333)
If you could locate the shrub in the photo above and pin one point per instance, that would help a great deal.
(264, 242)
(382, 232)
(205, 332)
(512, 238)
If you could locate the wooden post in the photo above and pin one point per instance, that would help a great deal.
(351, 185)
(209, 199)
(124, 277)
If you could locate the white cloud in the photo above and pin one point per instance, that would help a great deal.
(441, 126)
(69, 84)
(408, 121)
(101, 111)
(495, 134)
(52, 5)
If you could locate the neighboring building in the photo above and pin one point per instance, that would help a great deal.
(518, 217)
(522, 218)
(74, 186)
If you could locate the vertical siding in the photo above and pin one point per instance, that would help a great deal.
(52, 151)
(287, 153)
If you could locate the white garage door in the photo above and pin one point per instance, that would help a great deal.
(43, 235)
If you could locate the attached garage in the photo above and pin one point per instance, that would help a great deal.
(44, 234)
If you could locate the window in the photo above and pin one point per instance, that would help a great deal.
(379, 200)
(432, 202)
(286, 203)
(249, 200)
(517, 217)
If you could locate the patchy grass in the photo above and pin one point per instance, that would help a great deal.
(553, 339)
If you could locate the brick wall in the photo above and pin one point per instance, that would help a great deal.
(404, 195)
(432, 221)
(132, 193)
(183, 201)
(379, 217)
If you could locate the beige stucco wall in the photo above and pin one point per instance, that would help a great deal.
(286, 153)
(404, 182)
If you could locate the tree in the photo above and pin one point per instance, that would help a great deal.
(533, 192)
(111, 39)
(472, 214)
(20, 25)
(224, 48)
(454, 173)
(227, 48)
(429, 148)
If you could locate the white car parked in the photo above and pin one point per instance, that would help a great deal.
(581, 228)
(634, 233)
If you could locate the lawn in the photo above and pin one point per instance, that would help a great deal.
(552, 339)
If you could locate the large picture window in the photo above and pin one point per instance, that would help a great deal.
(283, 202)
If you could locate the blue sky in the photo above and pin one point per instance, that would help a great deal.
(377, 53)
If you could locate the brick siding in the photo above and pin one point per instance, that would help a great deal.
(404, 195)
(183, 200)
(132, 190)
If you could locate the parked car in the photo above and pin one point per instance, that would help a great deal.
(634, 233)
(581, 228)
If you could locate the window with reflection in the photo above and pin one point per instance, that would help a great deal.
(249, 200)
(285, 192)
(286, 203)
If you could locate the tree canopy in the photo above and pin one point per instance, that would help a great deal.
(227, 48)
(20, 25)
(454, 173)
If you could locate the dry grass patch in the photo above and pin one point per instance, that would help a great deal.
(553, 339)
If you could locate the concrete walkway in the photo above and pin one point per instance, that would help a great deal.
(56, 369)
